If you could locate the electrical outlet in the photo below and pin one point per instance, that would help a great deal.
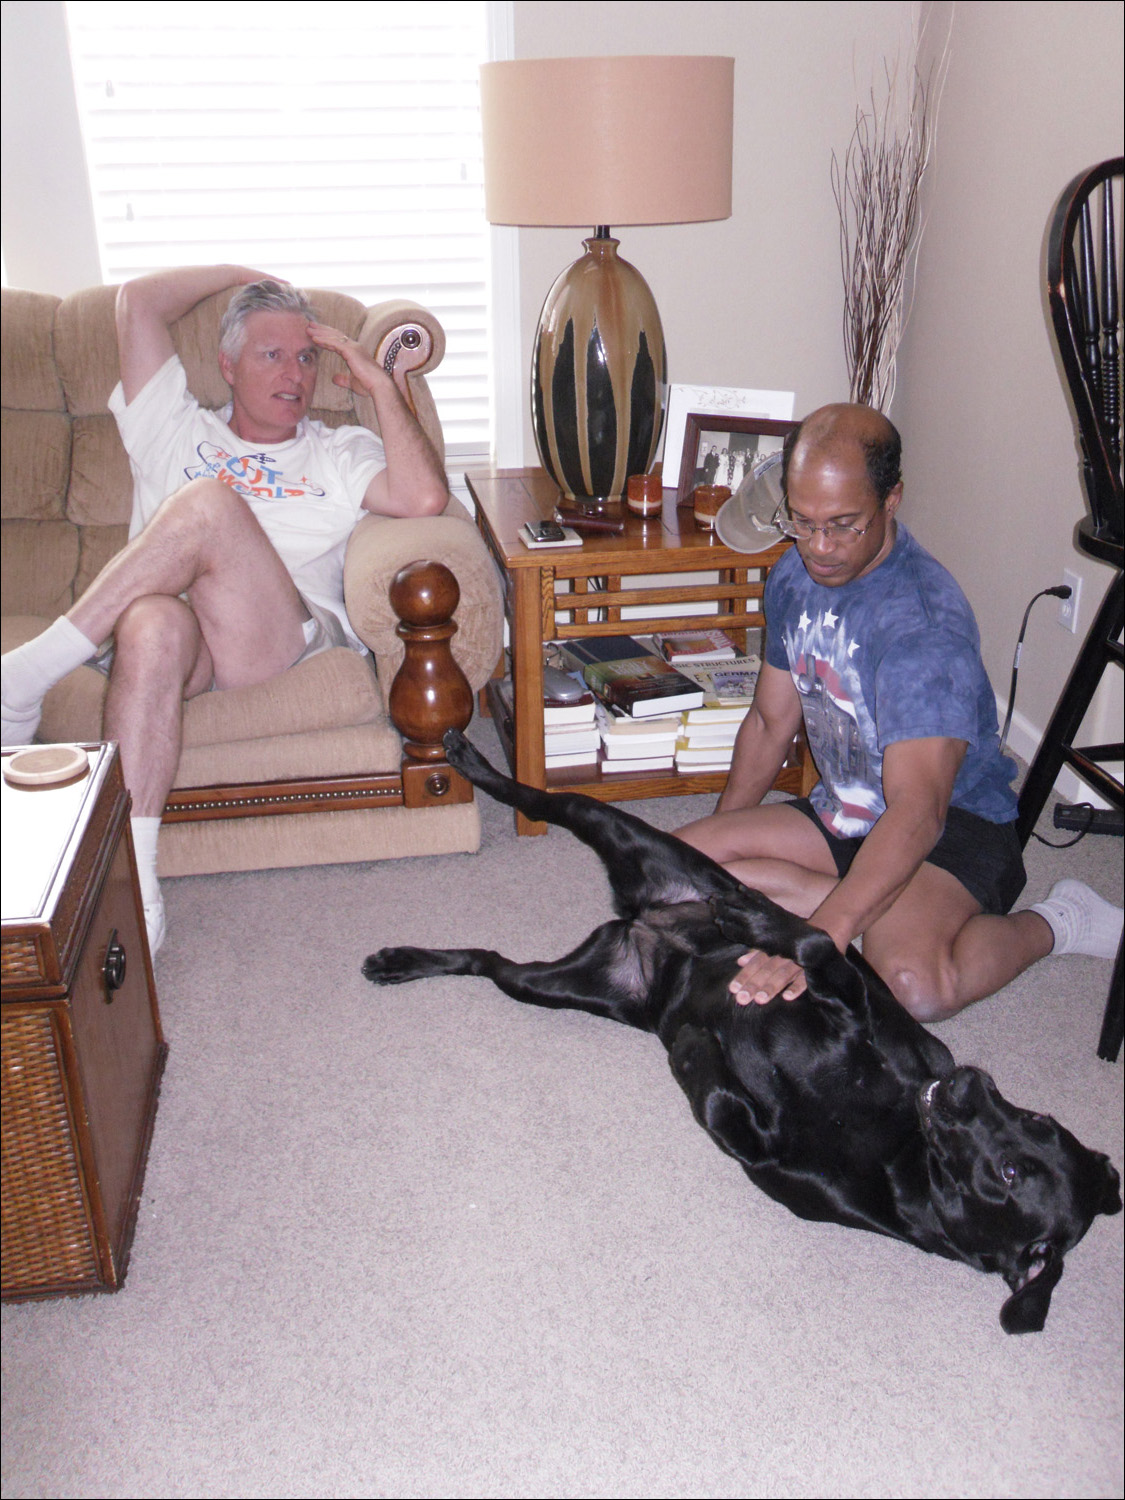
(1068, 608)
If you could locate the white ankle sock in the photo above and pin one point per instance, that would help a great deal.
(31, 670)
(1081, 920)
(146, 831)
(145, 834)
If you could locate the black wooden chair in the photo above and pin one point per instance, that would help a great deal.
(1085, 295)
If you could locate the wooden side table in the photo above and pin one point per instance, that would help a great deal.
(82, 1047)
(566, 593)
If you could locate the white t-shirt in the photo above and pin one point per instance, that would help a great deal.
(306, 493)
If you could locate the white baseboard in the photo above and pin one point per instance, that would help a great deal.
(1024, 739)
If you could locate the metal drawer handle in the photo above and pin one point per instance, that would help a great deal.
(113, 970)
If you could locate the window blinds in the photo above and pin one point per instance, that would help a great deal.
(337, 147)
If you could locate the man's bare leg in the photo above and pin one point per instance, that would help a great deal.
(934, 947)
(772, 848)
(160, 660)
(939, 952)
(205, 542)
(242, 623)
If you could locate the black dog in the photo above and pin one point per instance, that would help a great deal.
(838, 1104)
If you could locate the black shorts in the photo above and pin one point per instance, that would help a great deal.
(985, 857)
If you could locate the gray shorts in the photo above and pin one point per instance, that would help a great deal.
(322, 631)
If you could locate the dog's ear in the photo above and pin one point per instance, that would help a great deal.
(1111, 1187)
(1039, 1269)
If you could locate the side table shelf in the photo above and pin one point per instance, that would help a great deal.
(617, 786)
(663, 566)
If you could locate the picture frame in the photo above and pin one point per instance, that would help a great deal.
(717, 401)
(721, 449)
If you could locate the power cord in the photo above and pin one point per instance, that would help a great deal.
(1090, 811)
(1060, 591)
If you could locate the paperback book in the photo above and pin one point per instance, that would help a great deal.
(572, 738)
(559, 761)
(726, 686)
(663, 762)
(710, 756)
(694, 646)
(720, 734)
(621, 726)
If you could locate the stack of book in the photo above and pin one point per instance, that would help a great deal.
(701, 748)
(708, 733)
(570, 731)
(631, 745)
(628, 676)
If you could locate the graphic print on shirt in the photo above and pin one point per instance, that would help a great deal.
(254, 475)
(839, 725)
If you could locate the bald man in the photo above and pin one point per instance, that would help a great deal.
(908, 840)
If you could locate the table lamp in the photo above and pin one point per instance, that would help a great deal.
(601, 141)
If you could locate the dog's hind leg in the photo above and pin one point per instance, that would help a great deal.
(644, 864)
(601, 976)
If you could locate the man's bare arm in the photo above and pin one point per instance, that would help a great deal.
(413, 482)
(763, 740)
(147, 307)
(918, 777)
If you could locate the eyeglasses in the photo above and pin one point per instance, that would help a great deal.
(804, 531)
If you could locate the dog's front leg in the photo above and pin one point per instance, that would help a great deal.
(830, 976)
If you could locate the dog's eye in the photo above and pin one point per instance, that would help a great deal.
(1009, 1171)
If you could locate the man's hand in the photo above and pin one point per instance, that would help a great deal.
(761, 977)
(363, 375)
(414, 482)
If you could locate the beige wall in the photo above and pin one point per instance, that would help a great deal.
(1033, 97)
(47, 217)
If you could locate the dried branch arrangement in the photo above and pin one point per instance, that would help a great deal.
(877, 189)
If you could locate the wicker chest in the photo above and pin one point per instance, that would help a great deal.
(83, 1050)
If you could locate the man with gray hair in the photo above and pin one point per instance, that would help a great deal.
(234, 566)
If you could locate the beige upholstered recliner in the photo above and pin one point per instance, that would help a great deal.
(307, 768)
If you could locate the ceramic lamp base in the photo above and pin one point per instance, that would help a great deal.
(598, 376)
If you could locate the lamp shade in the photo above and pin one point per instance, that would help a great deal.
(607, 140)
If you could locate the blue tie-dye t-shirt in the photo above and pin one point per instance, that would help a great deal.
(894, 655)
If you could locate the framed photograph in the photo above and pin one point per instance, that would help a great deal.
(722, 450)
(716, 401)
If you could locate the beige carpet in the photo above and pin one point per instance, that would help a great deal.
(425, 1241)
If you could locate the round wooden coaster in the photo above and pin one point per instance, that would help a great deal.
(46, 765)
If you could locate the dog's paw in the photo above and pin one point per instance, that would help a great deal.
(739, 920)
(397, 965)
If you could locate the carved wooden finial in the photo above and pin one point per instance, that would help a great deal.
(430, 693)
(403, 350)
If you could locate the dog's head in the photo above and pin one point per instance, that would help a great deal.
(1014, 1190)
